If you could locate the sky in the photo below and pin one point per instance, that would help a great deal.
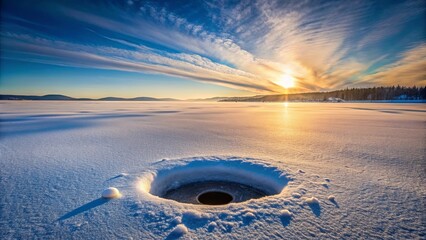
(200, 49)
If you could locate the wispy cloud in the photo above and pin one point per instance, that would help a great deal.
(247, 45)
(408, 70)
(391, 21)
(141, 60)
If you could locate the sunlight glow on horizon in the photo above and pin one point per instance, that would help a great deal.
(286, 80)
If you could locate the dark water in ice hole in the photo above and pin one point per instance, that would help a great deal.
(213, 193)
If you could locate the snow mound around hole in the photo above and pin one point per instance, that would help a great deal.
(202, 173)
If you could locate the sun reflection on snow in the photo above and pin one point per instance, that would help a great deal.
(285, 105)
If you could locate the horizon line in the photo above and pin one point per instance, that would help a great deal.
(188, 99)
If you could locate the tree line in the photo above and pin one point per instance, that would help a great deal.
(348, 94)
(379, 93)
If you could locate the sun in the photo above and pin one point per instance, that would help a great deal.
(286, 81)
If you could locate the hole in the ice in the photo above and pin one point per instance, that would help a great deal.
(213, 181)
(218, 193)
(215, 198)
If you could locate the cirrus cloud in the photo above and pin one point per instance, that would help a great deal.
(245, 45)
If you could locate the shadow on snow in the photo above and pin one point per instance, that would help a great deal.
(84, 208)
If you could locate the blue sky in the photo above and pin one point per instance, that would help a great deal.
(197, 49)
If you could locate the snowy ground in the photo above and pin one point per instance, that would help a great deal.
(57, 157)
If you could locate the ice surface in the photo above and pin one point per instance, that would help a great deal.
(56, 157)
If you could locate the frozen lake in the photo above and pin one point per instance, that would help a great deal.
(57, 157)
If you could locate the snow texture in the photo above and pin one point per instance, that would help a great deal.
(286, 213)
(312, 200)
(178, 231)
(56, 157)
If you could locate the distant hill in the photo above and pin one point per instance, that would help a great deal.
(58, 97)
(136, 99)
(45, 97)
(213, 99)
